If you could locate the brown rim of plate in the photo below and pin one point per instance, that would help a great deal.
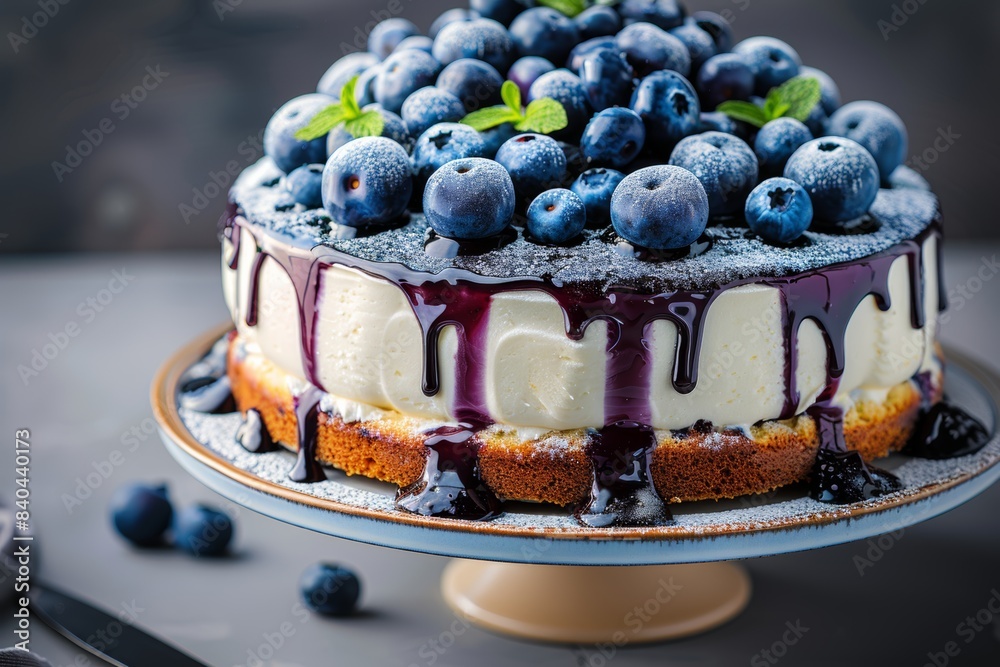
(165, 409)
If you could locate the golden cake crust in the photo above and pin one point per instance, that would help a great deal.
(687, 466)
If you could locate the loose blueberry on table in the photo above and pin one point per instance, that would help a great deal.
(202, 531)
(578, 115)
(330, 590)
(141, 513)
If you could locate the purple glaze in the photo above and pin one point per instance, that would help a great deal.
(307, 468)
(451, 485)
(253, 436)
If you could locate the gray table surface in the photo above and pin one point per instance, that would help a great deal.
(911, 601)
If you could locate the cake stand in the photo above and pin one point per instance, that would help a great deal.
(530, 572)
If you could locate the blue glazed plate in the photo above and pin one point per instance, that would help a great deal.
(362, 510)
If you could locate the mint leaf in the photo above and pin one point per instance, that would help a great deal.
(745, 112)
(568, 7)
(511, 96)
(348, 100)
(322, 123)
(490, 117)
(801, 95)
(544, 116)
(368, 124)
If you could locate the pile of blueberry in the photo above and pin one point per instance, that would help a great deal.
(635, 114)
(144, 515)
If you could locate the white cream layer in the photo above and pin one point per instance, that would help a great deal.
(370, 356)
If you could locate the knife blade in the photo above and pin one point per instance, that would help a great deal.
(114, 640)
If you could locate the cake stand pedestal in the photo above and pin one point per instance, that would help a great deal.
(531, 571)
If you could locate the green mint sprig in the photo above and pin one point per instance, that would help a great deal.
(544, 115)
(346, 112)
(794, 99)
(572, 8)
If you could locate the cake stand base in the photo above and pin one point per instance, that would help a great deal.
(596, 605)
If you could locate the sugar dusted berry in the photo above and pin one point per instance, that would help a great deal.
(556, 216)
(305, 184)
(386, 36)
(594, 187)
(776, 142)
(773, 61)
(441, 144)
(471, 198)
(280, 143)
(525, 71)
(668, 106)
(724, 164)
(840, 176)
(535, 163)
(650, 49)
(430, 106)
(545, 32)
(665, 14)
(877, 128)
(401, 75)
(661, 207)
(367, 182)
(475, 83)
(484, 39)
(779, 210)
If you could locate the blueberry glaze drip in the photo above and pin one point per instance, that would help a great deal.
(253, 436)
(205, 386)
(946, 431)
(451, 485)
(307, 468)
(622, 491)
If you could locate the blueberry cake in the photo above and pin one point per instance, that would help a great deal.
(595, 255)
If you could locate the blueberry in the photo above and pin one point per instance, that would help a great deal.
(718, 27)
(418, 42)
(364, 90)
(699, 43)
(724, 77)
(556, 216)
(393, 128)
(526, 70)
(661, 207)
(598, 21)
(430, 106)
(818, 122)
(451, 16)
(592, 45)
(330, 590)
(877, 128)
(475, 83)
(666, 14)
(471, 198)
(776, 142)
(342, 71)
(906, 178)
(483, 39)
(650, 49)
(545, 32)
(385, 36)
(840, 176)
(668, 106)
(443, 143)
(594, 187)
(280, 143)
(713, 121)
(501, 11)
(772, 61)
(305, 184)
(779, 210)
(535, 163)
(367, 182)
(202, 531)
(566, 88)
(401, 75)
(141, 513)
(614, 137)
(830, 91)
(607, 78)
(725, 165)
(496, 137)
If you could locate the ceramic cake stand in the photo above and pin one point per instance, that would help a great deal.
(524, 573)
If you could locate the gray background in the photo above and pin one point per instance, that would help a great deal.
(228, 73)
